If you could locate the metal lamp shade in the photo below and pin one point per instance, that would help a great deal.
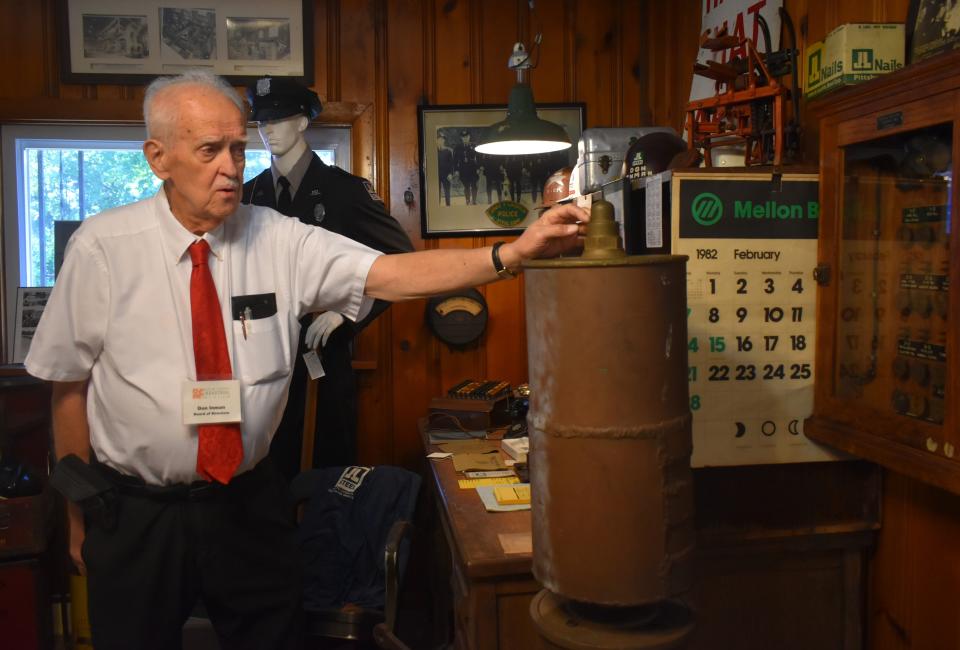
(522, 132)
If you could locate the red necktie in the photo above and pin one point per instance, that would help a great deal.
(220, 448)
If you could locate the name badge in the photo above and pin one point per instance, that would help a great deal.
(211, 402)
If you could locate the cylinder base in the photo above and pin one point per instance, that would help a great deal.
(568, 625)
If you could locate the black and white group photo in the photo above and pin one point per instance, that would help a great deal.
(467, 177)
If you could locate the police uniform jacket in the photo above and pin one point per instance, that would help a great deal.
(338, 201)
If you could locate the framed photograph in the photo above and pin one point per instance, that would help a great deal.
(463, 193)
(30, 304)
(134, 41)
(933, 27)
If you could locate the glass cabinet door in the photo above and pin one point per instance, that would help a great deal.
(893, 280)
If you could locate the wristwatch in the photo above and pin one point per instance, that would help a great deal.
(498, 266)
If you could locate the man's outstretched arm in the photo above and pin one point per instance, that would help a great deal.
(427, 273)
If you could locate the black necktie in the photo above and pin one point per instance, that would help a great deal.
(284, 199)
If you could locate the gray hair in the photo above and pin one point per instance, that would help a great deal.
(158, 124)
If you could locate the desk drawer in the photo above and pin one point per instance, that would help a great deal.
(24, 606)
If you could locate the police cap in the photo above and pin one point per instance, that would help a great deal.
(274, 98)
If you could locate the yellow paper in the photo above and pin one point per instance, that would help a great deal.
(465, 462)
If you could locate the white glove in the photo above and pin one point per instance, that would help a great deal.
(321, 328)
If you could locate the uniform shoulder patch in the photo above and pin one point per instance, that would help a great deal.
(372, 192)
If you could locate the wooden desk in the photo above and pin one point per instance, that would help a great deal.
(491, 589)
(781, 559)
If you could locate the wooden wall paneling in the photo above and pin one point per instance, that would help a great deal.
(454, 67)
(684, 40)
(325, 50)
(498, 29)
(551, 80)
(362, 76)
(413, 382)
(411, 342)
(656, 52)
(644, 68)
(670, 35)
(20, 42)
(358, 37)
(916, 568)
(630, 46)
(595, 62)
(506, 336)
(406, 36)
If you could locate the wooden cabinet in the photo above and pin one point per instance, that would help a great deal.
(886, 375)
(26, 521)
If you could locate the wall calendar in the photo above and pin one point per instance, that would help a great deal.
(751, 239)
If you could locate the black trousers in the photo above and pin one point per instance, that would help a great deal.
(232, 546)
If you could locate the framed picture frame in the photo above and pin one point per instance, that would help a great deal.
(134, 41)
(30, 304)
(464, 194)
(933, 27)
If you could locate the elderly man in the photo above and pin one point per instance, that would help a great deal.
(169, 338)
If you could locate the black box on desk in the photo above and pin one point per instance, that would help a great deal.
(469, 414)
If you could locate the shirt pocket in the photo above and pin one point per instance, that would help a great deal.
(261, 353)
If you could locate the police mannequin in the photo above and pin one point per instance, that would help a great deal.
(284, 140)
(331, 198)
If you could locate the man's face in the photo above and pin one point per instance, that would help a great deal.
(202, 159)
(279, 136)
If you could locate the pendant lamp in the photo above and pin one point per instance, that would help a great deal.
(522, 132)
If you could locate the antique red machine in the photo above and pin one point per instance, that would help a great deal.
(749, 106)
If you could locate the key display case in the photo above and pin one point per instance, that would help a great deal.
(886, 364)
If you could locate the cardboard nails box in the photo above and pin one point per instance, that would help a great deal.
(851, 54)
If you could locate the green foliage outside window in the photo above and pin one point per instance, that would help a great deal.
(73, 184)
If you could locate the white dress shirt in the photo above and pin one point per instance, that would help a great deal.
(119, 315)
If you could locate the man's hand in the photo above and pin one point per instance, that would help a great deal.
(557, 231)
(77, 535)
(321, 328)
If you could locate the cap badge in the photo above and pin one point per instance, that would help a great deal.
(263, 87)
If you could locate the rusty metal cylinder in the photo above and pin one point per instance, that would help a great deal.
(610, 428)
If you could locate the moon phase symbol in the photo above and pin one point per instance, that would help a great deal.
(768, 428)
(741, 429)
(792, 427)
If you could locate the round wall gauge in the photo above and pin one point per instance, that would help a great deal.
(457, 318)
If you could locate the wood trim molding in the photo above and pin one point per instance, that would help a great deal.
(130, 111)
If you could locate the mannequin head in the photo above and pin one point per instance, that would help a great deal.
(281, 136)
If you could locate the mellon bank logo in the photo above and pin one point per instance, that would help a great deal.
(706, 208)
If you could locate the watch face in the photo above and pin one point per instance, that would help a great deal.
(457, 318)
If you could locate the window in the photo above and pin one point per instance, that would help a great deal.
(63, 174)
